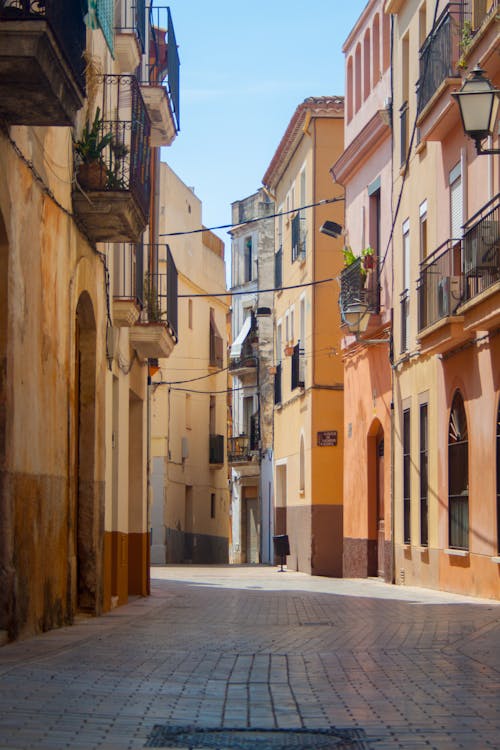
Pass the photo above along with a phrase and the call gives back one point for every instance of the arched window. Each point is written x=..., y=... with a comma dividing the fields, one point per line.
x=458, y=475
x=302, y=467
x=386, y=42
x=376, y=50
x=357, y=78
x=366, y=64
x=349, y=89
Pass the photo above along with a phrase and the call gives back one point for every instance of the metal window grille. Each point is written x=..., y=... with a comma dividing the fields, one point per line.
x=424, y=476
x=458, y=476
x=406, y=477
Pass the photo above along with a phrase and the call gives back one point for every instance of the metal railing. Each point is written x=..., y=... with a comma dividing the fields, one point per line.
x=123, y=128
x=66, y=21
x=439, y=55
x=160, y=298
x=216, y=449
x=440, y=285
x=164, y=64
x=481, y=249
x=356, y=286
x=132, y=19
x=244, y=447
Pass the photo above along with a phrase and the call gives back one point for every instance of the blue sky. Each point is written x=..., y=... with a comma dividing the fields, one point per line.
x=245, y=66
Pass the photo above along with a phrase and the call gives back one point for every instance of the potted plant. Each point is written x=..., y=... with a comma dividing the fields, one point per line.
x=368, y=258
x=114, y=174
x=92, y=172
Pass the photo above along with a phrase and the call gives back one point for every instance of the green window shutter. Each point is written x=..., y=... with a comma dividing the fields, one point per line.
x=105, y=17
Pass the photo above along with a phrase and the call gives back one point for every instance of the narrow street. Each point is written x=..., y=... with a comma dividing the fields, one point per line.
x=311, y=662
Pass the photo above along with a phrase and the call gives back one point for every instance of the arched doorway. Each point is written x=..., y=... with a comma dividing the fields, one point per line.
x=6, y=530
x=87, y=501
x=376, y=501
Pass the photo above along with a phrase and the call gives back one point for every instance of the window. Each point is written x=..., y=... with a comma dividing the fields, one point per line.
x=424, y=476
x=406, y=476
x=376, y=50
x=212, y=416
x=287, y=327
x=422, y=25
x=248, y=260
x=279, y=343
x=357, y=78
x=302, y=323
x=190, y=313
x=405, y=298
x=366, y=64
x=188, y=411
x=292, y=324
x=349, y=95
x=423, y=230
x=456, y=202
x=458, y=475
x=403, y=112
x=212, y=505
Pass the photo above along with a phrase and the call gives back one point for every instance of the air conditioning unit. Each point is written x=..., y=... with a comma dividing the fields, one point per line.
x=489, y=245
x=449, y=295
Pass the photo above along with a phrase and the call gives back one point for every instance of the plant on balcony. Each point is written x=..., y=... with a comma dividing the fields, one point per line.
x=92, y=172
x=151, y=302
x=114, y=173
x=368, y=259
x=466, y=36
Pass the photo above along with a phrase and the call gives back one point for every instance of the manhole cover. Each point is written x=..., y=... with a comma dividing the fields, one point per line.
x=263, y=739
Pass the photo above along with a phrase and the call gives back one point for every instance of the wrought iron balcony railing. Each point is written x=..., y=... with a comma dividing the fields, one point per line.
x=440, y=286
x=356, y=286
x=163, y=64
x=131, y=18
x=481, y=249
x=159, y=295
x=439, y=54
x=216, y=449
x=244, y=447
x=66, y=21
x=121, y=130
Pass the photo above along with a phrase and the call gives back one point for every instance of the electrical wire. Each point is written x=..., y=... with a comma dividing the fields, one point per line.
x=323, y=202
x=262, y=291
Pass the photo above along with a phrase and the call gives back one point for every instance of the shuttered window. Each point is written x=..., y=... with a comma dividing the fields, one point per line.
x=105, y=17
x=456, y=203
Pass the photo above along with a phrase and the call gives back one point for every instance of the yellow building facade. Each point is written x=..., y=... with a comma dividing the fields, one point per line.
x=77, y=151
x=190, y=510
x=308, y=415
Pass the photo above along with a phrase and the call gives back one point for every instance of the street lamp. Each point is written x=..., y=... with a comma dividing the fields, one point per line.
x=478, y=103
x=355, y=316
x=331, y=229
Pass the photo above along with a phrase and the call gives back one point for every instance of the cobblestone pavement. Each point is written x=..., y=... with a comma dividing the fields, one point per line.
x=311, y=662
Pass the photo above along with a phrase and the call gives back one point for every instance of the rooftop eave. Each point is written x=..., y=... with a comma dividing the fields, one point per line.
x=393, y=6
x=367, y=141
x=324, y=106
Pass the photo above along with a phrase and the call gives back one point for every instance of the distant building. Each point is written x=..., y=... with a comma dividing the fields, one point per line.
x=308, y=410
x=250, y=445
x=190, y=509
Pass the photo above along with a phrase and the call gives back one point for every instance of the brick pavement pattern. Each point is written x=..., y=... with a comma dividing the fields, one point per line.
x=246, y=647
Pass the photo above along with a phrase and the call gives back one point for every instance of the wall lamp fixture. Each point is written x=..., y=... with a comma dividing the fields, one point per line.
x=478, y=103
x=331, y=229
x=356, y=316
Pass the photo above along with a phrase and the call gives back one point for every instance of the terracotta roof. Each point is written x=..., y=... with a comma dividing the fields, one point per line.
x=315, y=106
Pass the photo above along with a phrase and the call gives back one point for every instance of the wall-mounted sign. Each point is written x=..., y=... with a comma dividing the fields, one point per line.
x=327, y=437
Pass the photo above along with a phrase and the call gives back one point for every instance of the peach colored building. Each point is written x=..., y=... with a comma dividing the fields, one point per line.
x=446, y=219
x=364, y=169
x=308, y=412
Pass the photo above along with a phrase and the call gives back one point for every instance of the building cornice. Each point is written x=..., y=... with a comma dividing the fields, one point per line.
x=312, y=107
x=368, y=139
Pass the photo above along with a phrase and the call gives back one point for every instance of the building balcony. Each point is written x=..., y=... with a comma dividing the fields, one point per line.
x=243, y=449
x=161, y=89
x=42, y=70
x=361, y=286
x=126, y=304
x=130, y=34
x=155, y=334
x=112, y=189
x=216, y=450
x=440, y=294
x=464, y=32
x=243, y=356
x=481, y=268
